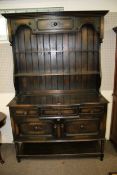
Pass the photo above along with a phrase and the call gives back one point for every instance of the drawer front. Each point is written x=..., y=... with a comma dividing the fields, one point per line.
x=25, y=112
x=56, y=24
x=78, y=127
x=91, y=109
x=41, y=128
x=68, y=111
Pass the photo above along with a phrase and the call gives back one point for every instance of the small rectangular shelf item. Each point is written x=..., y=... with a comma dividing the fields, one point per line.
x=58, y=108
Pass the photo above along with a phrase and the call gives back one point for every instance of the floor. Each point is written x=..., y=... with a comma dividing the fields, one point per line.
x=58, y=166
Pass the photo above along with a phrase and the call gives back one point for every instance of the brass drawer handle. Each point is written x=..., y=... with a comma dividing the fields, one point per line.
x=62, y=125
x=36, y=128
x=82, y=126
x=25, y=113
x=55, y=126
x=59, y=113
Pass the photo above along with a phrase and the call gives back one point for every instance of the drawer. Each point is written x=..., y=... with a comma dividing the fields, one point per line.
x=41, y=128
x=55, y=24
x=25, y=112
x=91, y=109
x=78, y=127
x=67, y=111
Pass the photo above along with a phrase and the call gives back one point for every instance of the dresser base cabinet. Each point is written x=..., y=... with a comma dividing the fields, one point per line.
x=58, y=108
x=66, y=129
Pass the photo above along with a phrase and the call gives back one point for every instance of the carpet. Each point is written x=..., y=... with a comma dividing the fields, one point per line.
x=59, y=165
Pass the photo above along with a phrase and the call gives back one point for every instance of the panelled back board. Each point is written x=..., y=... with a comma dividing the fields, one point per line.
x=57, y=61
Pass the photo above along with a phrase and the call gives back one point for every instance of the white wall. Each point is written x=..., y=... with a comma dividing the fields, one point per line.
x=111, y=5
x=67, y=4
x=6, y=130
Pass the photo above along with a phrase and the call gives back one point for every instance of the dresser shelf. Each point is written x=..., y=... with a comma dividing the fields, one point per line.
x=59, y=149
x=28, y=74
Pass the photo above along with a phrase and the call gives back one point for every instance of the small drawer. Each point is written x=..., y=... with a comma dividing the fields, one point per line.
x=55, y=24
x=91, y=109
x=33, y=112
x=21, y=112
x=26, y=112
x=76, y=127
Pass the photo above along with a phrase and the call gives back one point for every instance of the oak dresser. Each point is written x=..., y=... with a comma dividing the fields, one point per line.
x=58, y=108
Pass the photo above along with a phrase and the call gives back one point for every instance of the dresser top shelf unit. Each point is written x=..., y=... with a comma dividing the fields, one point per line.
x=56, y=51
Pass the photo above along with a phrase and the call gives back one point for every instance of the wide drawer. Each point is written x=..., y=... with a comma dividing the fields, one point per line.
x=55, y=24
x=80, y=126
x=41, y=128
x=58, y=111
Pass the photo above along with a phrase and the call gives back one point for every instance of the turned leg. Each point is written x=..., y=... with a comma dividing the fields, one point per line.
x=102, y=150
x=1, y=159
x=18, y=159
x=17, y=147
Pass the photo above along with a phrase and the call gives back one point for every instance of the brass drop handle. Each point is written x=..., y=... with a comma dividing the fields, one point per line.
x=94, y=110
x=55, y=126
x=59, y=113
x=36, y=128
x=62, y=125
x=82, y=126
x=25, y=113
